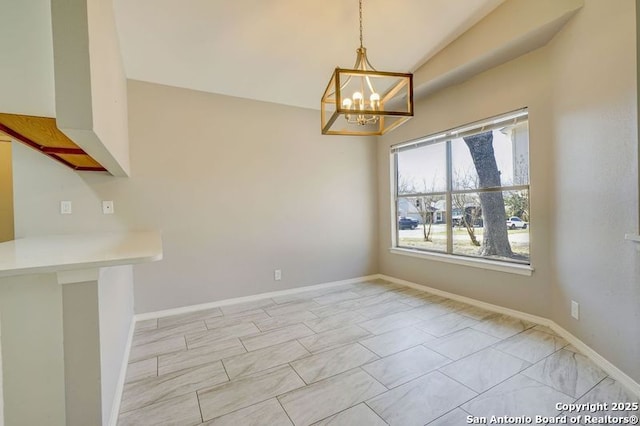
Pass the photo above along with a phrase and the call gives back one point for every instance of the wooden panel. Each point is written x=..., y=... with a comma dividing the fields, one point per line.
x=41, y=130
x=81, y=161
x=41, y=133
x=6, y=191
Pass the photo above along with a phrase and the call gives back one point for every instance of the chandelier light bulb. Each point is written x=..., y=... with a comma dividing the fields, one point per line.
x=380, y=100
x=374, y=99
x=357, y=99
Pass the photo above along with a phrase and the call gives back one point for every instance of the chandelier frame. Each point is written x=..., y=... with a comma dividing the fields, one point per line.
x=381, y=114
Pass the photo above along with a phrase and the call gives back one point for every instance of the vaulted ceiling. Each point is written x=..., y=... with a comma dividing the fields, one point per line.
x=281, y=51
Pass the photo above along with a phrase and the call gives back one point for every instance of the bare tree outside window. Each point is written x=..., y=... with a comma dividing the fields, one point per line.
x=496, y=239
x=466, y=204
x=426, y=206
x=468, y=190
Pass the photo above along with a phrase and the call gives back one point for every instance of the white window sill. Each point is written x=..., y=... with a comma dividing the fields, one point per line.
x=466, y=261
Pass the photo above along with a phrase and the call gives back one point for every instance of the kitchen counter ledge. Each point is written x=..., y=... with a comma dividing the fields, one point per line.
x=34, y=255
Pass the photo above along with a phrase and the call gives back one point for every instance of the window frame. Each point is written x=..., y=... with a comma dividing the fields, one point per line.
x=446, y=137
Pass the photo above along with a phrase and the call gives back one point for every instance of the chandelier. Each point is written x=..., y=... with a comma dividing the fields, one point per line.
x=363, y=101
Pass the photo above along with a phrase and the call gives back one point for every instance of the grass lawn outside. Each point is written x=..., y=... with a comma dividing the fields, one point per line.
x=414, y=238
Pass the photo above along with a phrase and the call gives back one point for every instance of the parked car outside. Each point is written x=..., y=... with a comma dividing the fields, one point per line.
x=407, y=223
x=515, y=222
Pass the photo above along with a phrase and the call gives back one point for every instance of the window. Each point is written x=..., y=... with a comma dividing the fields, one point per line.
x=465, y=191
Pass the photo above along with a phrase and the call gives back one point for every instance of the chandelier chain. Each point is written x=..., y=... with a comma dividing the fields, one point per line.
x=360, y=10
x=351, y=93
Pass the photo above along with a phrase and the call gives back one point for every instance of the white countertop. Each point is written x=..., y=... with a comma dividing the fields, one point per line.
x=34, y=255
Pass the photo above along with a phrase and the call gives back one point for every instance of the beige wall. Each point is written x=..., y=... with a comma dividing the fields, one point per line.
x=32, y=353
x=26, y=73
x=108, y=82
x=520, y=83
x=6, y=191
x=596, y=198
x=115, y=299
x=90, y=85
x=63, y=347
x=238, y=188
x=581, y=94
x=81, y=338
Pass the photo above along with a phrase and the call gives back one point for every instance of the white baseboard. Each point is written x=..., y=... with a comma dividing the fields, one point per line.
x=117, y=398
x=488, y=306
x=245, y=299
x=598, y=359
x=594, y=356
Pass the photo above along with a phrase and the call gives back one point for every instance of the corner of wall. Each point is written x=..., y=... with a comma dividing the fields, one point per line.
x=593, y=264
x=90, y=84
x=115, y=287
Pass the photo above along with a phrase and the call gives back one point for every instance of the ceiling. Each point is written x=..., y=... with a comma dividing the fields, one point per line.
x=281, y=51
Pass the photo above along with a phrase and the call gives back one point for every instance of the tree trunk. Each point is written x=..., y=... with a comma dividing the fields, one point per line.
x=496, y=238
x=427, y=232
x=471, y=231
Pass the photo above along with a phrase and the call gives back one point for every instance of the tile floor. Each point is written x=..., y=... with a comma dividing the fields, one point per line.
x=369, y=353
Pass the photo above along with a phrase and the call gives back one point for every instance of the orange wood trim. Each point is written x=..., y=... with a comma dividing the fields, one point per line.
x=51, y=151
x=62, y=160
x=90, y=169
x=47, y=149
x=21, y=138
x=56, y=150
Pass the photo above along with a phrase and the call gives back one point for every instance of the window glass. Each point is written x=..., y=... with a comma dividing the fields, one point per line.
x=473, y=202
x=422, y=170
x=505, y=149
x=422, y=222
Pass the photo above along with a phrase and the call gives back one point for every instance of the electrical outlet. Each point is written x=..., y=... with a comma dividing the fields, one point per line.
x=107, y=207
x=66, y=207
x=277, y=274
x=575, y=309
